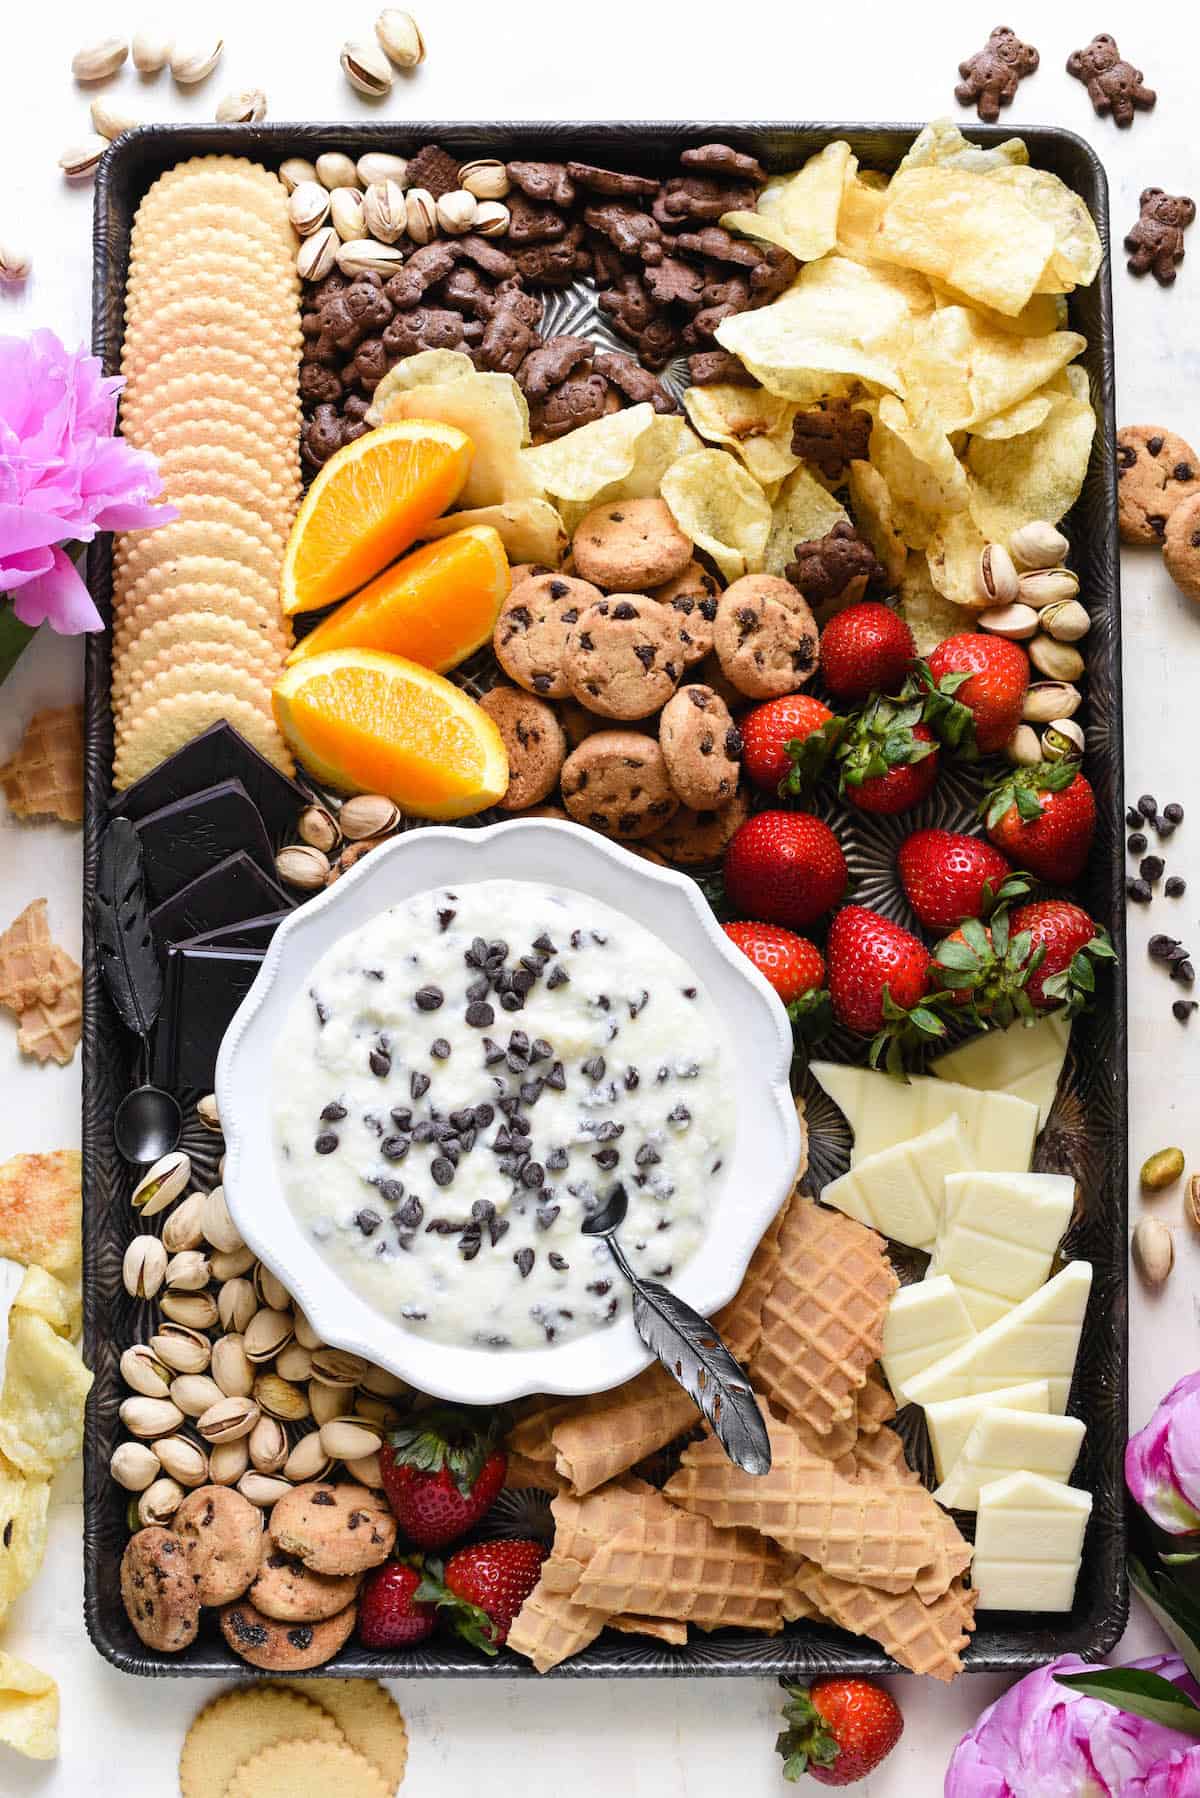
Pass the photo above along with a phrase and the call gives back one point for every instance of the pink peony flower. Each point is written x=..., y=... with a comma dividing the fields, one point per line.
x=1042, y=1740
x=63, y=477
x=1162, y=1462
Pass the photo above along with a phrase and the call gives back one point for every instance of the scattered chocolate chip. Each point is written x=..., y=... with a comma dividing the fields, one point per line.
x=594, y=1067
x=524, y=1259
x=418, y=1085
x=1184, y=972
x=1139, y=891
x=439, y=1048
x=1176, y=887
x=1138, y=843
x=429, y=998
x=1183, y=1009
x=368, y=1221
x=1133, y=818
x=326, y=1143
x=380, y=1063
x=1151, y=868
x=1148, y=805
x=557, y=1262
x=1173, y=813
x=547, y=1216
x=333, y=1112
x=445, y=918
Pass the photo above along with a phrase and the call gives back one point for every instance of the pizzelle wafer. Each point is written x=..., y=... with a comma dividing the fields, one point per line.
x=44, y=777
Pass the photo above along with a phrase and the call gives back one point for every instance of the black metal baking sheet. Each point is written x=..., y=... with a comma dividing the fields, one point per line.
x=1086, y=1134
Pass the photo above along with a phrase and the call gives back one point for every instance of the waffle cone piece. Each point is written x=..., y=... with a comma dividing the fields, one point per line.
x=51, y=1032
x=659, y=1629
x=521, y=1474
x=925, y=1638
x=27, y=973
x=876, y=1406
x=553, y=1624
x=530, y=1436
x=822, y=1321
x=606, y=1435
x=44, y=779
x=879, y=1461
x=740, y=1321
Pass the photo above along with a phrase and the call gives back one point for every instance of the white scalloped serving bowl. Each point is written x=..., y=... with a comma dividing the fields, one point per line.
x=759, y=1171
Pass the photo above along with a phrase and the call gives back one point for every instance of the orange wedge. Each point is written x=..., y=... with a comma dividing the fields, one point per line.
x=367, y=722
x=436, y=606
x=369, y=502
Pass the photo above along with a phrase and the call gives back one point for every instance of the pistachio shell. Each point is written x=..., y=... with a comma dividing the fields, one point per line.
x=1023, y=748
x=384, y=211
x=1062, y=739
x=228, y=1461
x=1066, y=620
x=271, y=1289
x=265, y=1334
x=367, y=69
x=79, y=160
x=996, y=583
x=182, y=1230
x=228, y=1420
x=456, y=212
x=383, y=1384
x=1046, y=700
x=306, y=1336
x=231, y=1264
x=150, y=1417
x=1153, y=1250
x=181, y=1349
x=294, y=1363
x=337, y=1367
x=400, y=35
x=246, y=108
x=189, y=1271
x=196, y=1309
x=100, y=59
x=232, y=1368
x=367, y=1471
x=143, y=1372
x=108, y=121
x=326, y=1402
x=379, y=165
x=308, y=206
x=263, y=1490
x=236, y=1304
x=364, y=256
x=300, y=864
x=295, y=169
x=315, y=259
x=368, y=815
x=1038, y=545
x=195, y=1393
x=334, y=169
x=280, y=1398
x=195, y=62
x=151, y=52
x=308, y=1460
x=1015, y=621
x=492, y=219
x=15, y=263
x=1057, y=661
x=269, y=1447
x=421, y=215
x=1043, y=585
x=345, y=1440
x=219, y=1228
x=183, y=1459
x=317, y=828
x=485, y=179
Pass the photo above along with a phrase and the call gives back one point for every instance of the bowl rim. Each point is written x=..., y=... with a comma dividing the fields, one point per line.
x=768, y=1144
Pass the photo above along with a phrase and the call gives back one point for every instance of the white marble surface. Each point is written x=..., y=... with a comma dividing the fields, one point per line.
x=624, y=58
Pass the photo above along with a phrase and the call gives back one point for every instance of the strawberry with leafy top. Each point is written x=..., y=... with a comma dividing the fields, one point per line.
x=793, y=966
x=389, y=1613
x=1044, y=819
x=888, y=759
x=785, y=867
x=441, y=1473
x=877, y=980
x=1037, y=957
x=482, y=1588
x=839, y=1730
x=788, y=739
x=948, y=876
x=1067, y=944
x=974, y=690
x=865, y=649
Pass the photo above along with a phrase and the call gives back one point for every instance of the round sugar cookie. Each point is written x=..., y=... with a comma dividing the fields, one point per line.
x=201, y=388
x=219, y=509
x=167, y=726
x=308, y=1770
x=369, y=1718
x=241, y=1724
x=203, y=635
x=280, y=433
x=280, y=463
x=156, y=232
x=274, y=378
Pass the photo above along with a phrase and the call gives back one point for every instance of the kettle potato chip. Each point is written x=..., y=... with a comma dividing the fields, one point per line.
x=930, y=617
x=28, y=1709
x=40, y=1211
x=1037, y=475
x=1077, y=250
x=968, y=372
x=24, y=1505
x=803, y=509
x=863, y=201
x=941, y=144
x=966, y=229
x=925, y=479
x=722, y=508
x=756, y=426
x=46, y=1297
x=621, y=456
x=876, y=521
x=1024, y=415
x=953, y=555
x=41, y=1408
x=530, y=529
x=800, y=212
x=490, y=408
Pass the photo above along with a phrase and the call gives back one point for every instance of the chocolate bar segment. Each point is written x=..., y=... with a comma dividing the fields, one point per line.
x=188, y=836
x=219, y=753
x=229, y=893
x=204, y=988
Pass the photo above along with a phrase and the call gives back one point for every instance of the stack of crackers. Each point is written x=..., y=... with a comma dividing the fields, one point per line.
x=211, y=360
x=42, y=986
x=841, y=1528
x=304, y=1739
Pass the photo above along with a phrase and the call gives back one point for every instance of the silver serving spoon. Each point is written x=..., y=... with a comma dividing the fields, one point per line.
x=690, y=1349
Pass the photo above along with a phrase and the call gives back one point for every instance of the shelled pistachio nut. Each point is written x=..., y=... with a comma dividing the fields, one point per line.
x=335, y=169
x=346, y=214
x=1038, y=545
x=162, y=1184
x=1065, y=620
x=280, y=1398
x=1153, y=1250
x=143, y=1372
x=198, y=1310
x=231, y=1367
x=144, y=1267
x=151, y=51
x=108, y=121
x=134, y=1465
x=220, y=1231
x=180, y=1349
x=367, y=815
x=193, y=63
x=249, y=107
x=228, y=1420
x=1042, y=586
x=1161, y=1170
x=149, y=1418
x=307, y=1461
x=231, y=1264
x=228, y=1461
x=380, y=165
x=1062, y=740
x=492, y=219
x=484, y=179
x=195, y=1393
x=183, y=1459
x=1057, y=661
x=1017, y=622
x=400, y=35
x=263, y=1489
x=1046, y=700
x=384, y=215
x=996, y=579
x=268, y=1444
x=367, y=69
x=236, y=1304
x=182, y=1229
x=100, y=59
x=79, y=160
x=159, y=1502
x=1023, y=748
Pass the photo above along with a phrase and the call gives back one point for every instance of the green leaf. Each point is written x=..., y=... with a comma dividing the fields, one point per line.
x=927, y=1021
x=1173, y=1609
x=14, y=638
x=999, y=929
x=1081, y=972
x=1029, y=806
x=1140, y=1693
x=975, y=934
x=950, y=954
x=1179, y=1560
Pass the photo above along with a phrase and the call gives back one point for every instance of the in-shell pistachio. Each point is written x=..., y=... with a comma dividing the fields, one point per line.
x=367, y=68
x=108, y=121
x=379, y=1413
x=368, y=815
x=195, y=1393
x=229, y=1420
x=144, y=1267
x=143, y=1372
x=1046, y=700
x=294, y=1362
x=246, y=108
x=337, y=1367
x=181, y=1349
x=379, y=165
x=1057, y=661
x=383, y=1384
x=265, y=1334
x=231, y=1264
x=280, y=1398
x=346, y=213
x=1017, y=622
x=343, y=1439
x=308, y=1460
x=183, y=1459
x=162, y=1184
x=268, y=1445
x=317, y=828
x=1192, y=1199
x=150, y=1417
x=308, y=206
x=206, y=1111
x=232, y=1368
x=1038, y=545
x=456, y=212
x=263, y=1489
x=151, y=51
x=334, y=169
x=1042, y=586
x=100, y=59
x=1065, y=620
x=1062, y=740
x=295, y=169
x=189, y=1271
x=366, y=1470
x=192, y=63
x=219, y=1228
x=271, y=1290
x=492, y=218
x=384, y=215
x=182, y=1229
x=159, y=1502
x=228, y=1461
x=198, y=1310
x=1023, y=748
x=484, y=179
x=236, y=1304
x=996, y=582
x=327, y=1402
x=134, y=1465
x=306, y=1336
x=15, y=263
x=79, y=160
x=1161, y=1170
x=400, y=35
x=421, y=210
x=363, y=256
x=1153, y=1250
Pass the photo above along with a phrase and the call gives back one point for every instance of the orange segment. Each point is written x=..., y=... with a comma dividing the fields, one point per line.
x=367, y=722
x=369, y=502
x=436, y=606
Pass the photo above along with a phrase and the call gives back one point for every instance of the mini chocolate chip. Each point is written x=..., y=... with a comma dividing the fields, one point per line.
x=1159, y=947
x=556, y=1079
x=600, y=1287
x=445, y=918
x=606, y=1158
x=544, y=944
x=557, y=1262
x=418, y=1085
x=411, y=1213
x=1183, y=971
x=689, y=992
x=326, y=1143
x=1151, y=868
x=380, y=1063
x=531, y=1091
x=470, y=1243
x=524, y=1259
x=1176, y=887
x=594, y=1067
x=632, y=1080
x=547, y=1216
x=520, y=1126
x=540, y=1049
x=333, y=1112
x=1133, y=817
x=401, y=1116
x=1147, y=805
x=368, y=1221
x=1183, y=1009
x=533, y=1174
x=429, y=998
x=1138, y=843
x=557, y=1159
x=647, y=1156
x=680, y=1115
x=442, y=1169
x=1173, y=813
x=492, y=1052
x=394, y=1148
x=439, y=1048
x=1139, y=891
x=511, y=1002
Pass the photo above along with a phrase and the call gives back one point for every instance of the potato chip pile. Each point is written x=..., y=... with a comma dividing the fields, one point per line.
x=43, y=1389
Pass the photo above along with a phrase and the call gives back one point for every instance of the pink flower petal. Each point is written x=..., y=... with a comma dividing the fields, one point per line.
x=59, y=599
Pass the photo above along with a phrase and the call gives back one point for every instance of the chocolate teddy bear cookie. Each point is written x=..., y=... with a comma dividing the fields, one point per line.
x=990, y=77
x=1113, y=85
x=1157, y=239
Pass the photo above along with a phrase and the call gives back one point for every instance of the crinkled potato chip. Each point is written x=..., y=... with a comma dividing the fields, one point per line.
x=924, y=477
x=873, y=514
x=40, y=1211
x=941, y=144
x=426, y=368
x=929, y=616
x=1025, y=415
x=722, y=509
x=803, y=509
x=24, y=1507
x=863, y=200
x=968, y=230
x=621, y=456
x=953, y=557
x=839, y=318
x=1044, y=313
x=1037, y=475
x=45, y=1389
x=46, y=1297
x=491, y=409
x=530, y=529
x=1077, y=252
x=967, y=372
x=755, y=424
x=800, y=212
x=28, y=1709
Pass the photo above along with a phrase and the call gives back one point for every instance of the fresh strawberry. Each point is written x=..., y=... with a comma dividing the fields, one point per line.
x=948, y=877
x=787, y=737
x=441, y=1474
x=973, y=968
x=1044, y=818
x=795, y=968
x=483, y=1587
x=888, y=760
x=877, y=979
x=839, y=1730
x=389, y=1615
x=786, y=867
x=975, y=689
x=867, y=648
x=1066, y=943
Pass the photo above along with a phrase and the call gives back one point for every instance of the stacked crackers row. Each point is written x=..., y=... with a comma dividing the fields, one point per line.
x=841, y=1527
x=211, y=361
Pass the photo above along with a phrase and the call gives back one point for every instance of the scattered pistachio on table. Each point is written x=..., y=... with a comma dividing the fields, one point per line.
x=400, y=36
x=249, y=107
x=79, y=160
x=100, y=59
x=193, y=63
x=15, y=263
x=1153, y=1250
x=367, y=68
x=1161, y=1170
x=151, y=51
x=109, y=121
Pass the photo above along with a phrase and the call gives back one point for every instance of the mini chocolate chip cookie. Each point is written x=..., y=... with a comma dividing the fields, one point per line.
x=531, y=631
x=624, y=656
x=159, y=1591
x=535, y=743
x=578, y=722
x=631, y=545
x=1181, y=550
x=1155, y=471
x=617, y=782
x=284, y=1647
x=222, y=1536
x=702, y=747
x=765, y=636
x=694, y=839
x=692, y=596
x=289, y=1592
x=334, y=1529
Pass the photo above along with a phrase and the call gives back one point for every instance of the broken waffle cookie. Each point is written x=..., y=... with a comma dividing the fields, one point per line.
x=43, y=986
x=44, y=777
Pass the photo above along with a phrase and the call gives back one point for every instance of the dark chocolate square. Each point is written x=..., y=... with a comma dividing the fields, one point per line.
x=187, y=837
x=229, y=893
x=204, y=988
x=219, y=753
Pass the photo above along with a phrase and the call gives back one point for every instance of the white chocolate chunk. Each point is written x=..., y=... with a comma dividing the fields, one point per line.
x=998, y=1237
x=925, y=1322
x=1026, y=1061
x=1029, y=1543
x=1037, y=1340
x=951, y=1420
x=1004, y=1442
x=899, y=1191
x=882, y=1112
